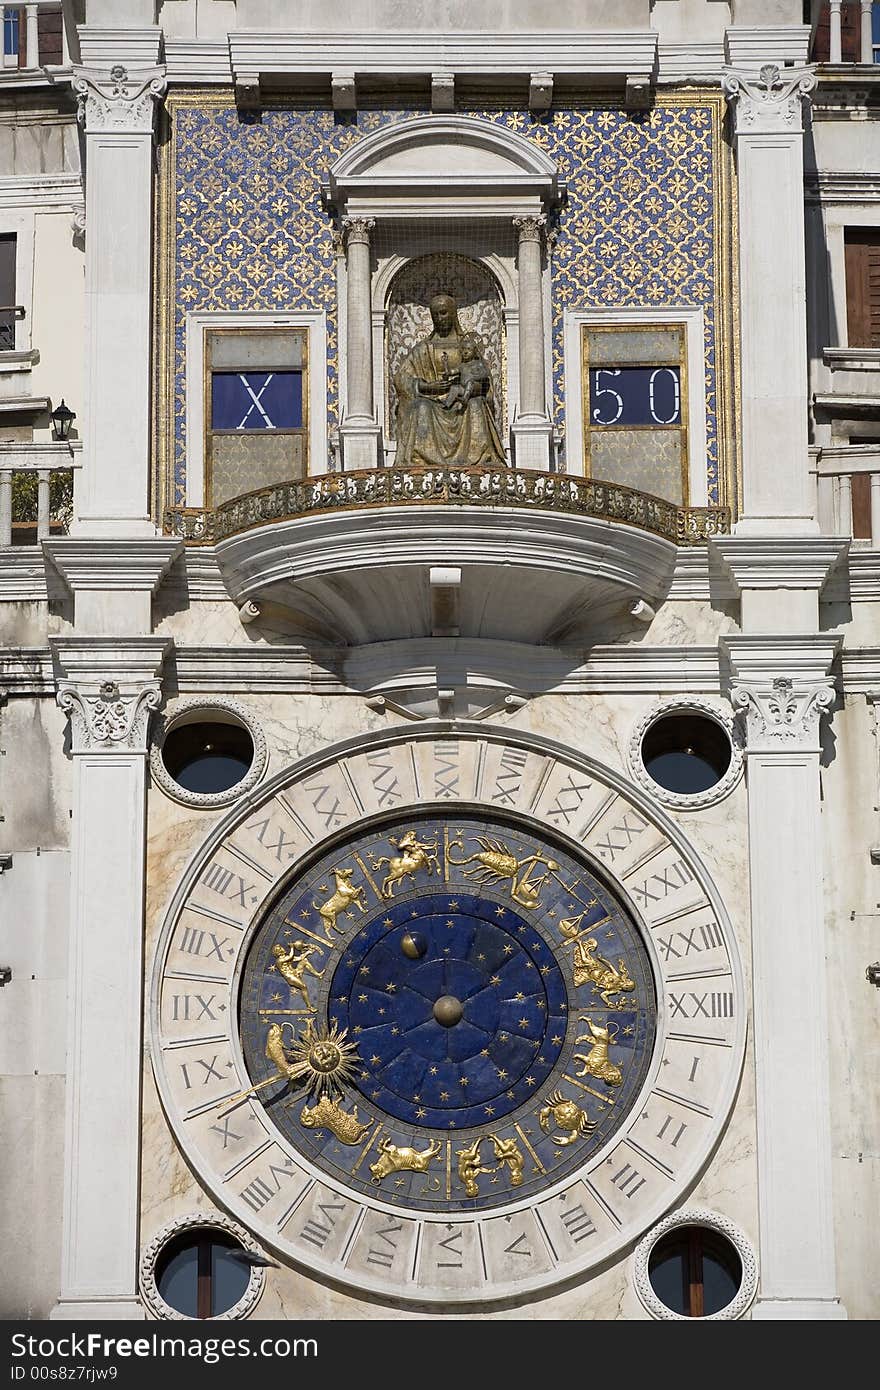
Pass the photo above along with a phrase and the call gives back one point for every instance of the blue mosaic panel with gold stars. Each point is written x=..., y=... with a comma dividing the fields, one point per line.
x=640, y=227
x=448, y=1014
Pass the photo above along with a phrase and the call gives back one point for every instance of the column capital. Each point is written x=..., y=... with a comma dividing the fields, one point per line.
x=531, y=227
x=356, y=230
x=782, y=686
x=770, y=99
x=109, y=687
x=118, y=100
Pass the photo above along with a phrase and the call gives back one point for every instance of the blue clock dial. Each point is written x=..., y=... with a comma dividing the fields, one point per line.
x=448, y=1014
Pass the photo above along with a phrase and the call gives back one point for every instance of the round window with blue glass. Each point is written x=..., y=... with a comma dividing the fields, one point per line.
x=448, y=1014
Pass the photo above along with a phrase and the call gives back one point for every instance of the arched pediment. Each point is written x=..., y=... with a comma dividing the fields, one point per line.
x=411, y=166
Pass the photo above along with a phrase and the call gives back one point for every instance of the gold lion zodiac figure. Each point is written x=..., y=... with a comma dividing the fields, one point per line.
x=414, y=855
x=394, y=1160
x=494, y=863
x=595, y=1062
x=328, y=1114
x=568, y=1117
x=292, y=965
x=347, y=895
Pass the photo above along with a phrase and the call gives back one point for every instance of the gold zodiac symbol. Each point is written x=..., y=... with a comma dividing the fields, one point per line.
x=470, y=1168
x=566, y=1115
x=495, y=863
x=292, y=965
x=592, y=969
x=328, y=1114
x=394, y=1160
x=413, y=857
x=345, y=897
x=595, y=1062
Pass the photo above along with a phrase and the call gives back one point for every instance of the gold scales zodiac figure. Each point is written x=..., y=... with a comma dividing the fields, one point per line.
x=494, y=863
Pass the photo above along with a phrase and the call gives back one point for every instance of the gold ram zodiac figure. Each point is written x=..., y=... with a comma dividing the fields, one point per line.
x=414, y=855
x=494, y=863
x=595, y=1062
x=345, y=897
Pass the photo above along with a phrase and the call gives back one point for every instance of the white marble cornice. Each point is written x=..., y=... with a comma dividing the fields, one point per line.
x=97, y=563
x=109, y=686
x=779, y=562
x=752, y=45
x=101, y=46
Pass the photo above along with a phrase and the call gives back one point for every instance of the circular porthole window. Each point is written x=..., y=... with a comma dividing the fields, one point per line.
x=207, y=753
x=198, y=1268
x=687, y=753
x=695, y=1265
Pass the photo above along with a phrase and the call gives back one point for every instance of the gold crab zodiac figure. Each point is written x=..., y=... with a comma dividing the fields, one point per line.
x=568, y=1116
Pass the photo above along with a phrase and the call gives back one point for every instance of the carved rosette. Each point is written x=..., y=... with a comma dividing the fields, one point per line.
x=118, y=100
x=782, y=714
x=356, y=230
x=109, y=719
x=530, y=228
x=771, y=100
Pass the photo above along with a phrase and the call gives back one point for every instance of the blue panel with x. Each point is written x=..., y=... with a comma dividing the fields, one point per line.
x=256, y=400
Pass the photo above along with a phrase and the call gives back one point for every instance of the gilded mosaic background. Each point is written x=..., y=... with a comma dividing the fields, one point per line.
x=242, y=227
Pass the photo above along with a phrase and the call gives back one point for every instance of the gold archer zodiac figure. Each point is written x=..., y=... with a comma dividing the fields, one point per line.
x=414, y=855
x=590, y=968
x=494, y=863
x=346, y=896
x=596, y=1062
x=292, y=965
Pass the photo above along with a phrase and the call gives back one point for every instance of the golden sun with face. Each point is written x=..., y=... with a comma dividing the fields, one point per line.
x=324, y=1059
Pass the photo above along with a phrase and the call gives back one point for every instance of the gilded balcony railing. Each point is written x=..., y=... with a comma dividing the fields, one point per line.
x=469, y=487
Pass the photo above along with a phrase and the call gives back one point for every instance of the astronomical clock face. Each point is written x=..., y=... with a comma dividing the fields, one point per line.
x=447, y=1019
x=448, y=1012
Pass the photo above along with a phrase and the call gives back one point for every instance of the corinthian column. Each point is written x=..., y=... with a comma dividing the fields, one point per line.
x=359, y=432
x=108, y=687
x=782, y=687
x=116, y=109
x=532, y=428
x=767, y=109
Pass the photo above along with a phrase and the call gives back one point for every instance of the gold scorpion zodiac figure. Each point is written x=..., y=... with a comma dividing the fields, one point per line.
x=495, y=863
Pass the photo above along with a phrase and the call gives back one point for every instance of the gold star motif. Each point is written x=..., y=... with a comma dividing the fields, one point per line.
x=502, y=1075
x=362, y=999
x=357, y=1029
x=322, y=888
x=450, y=924
x=420, y=1113
x=484, y=1052
x=530, y=1081
x=453, y=906
x=481, y=956
x=519, y=996
x=545, y=969
x=556, y=1040
x=374, y=1060
x=495, y=980
x=524, y=1023
x=444, y=1095
x=364, y=970
x=381, y=1011
x=628, y=1031
x=465, y=1081
x=394, y=1031
x=541, y=1005
x=499, y=912
x=508, y=950
x=489, y=1109
x=433, y=1071
x=276, y=998
x=510, y=1095
x=398, y=1182
x=391, y=988
x=388, y=922
x=375, y=1094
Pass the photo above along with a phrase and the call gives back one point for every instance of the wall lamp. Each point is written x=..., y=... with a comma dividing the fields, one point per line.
x=62, y=417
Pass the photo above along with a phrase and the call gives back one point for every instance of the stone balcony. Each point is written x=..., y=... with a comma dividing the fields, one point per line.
x=490, y=553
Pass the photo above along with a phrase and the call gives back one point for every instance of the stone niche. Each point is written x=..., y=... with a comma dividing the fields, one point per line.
x=451, y=205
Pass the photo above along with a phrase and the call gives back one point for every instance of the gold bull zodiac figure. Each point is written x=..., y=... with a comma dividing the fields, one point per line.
x=494, y=863
x=347, y=895
x=414, y=855
x=293, y=964
x=567, y=1116
x=394, y=1160
x=596, y=1062
x=328, y=1114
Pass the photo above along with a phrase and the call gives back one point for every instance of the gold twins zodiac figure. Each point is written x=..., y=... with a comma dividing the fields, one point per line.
x=470, y=1168
x=292, y=965
x=414, y=855
x=328, y=1114
x=567, y=1116
x=394, y=1160
x=595, y=1062
x=347, y=895
x=494, y=863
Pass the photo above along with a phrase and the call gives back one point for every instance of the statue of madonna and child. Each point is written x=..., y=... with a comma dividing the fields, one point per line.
x=444, y=395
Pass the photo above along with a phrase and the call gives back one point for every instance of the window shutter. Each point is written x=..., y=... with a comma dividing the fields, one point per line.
x=862, y=252
x=49, y=34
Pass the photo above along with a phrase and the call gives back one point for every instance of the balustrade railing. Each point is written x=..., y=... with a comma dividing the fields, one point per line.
x=36, y=491
x=471, y=487
x=848, y=492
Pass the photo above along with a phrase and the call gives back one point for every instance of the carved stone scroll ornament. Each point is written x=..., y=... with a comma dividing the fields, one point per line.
x=783, y=715
x=770, y=100
x=530, y=228
x=118, y=100
x=109, y=720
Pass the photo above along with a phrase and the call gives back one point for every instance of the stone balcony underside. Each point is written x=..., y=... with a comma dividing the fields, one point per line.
x=486, y=553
